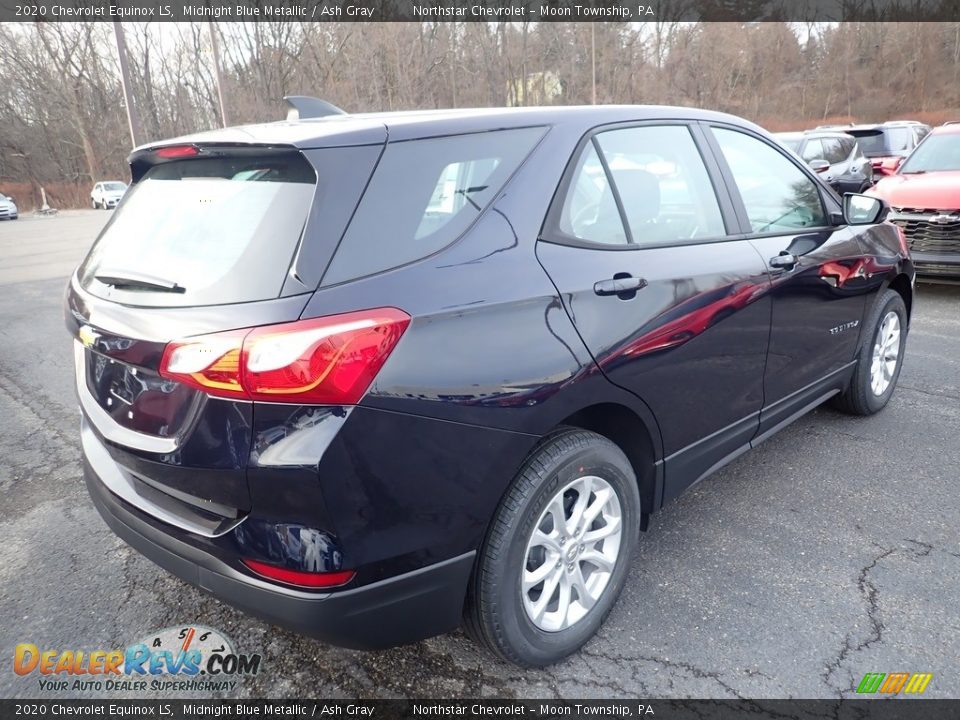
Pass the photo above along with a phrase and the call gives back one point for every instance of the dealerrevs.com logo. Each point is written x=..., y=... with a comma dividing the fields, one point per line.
x=191, y=658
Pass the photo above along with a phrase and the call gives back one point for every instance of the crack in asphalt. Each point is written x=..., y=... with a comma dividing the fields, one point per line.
x=931, y=393
x=928, y=548
x=692, y=670
x=870, y=592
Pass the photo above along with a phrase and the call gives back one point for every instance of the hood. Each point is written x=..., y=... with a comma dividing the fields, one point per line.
x=934, y=190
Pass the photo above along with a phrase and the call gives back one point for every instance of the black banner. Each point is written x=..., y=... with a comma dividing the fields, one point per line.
x=893, y=709
x=478, y=10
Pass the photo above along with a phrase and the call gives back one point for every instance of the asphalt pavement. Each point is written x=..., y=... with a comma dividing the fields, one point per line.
x=830, y=551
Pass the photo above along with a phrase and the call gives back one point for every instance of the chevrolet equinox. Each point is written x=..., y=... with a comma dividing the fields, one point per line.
x=370, y=377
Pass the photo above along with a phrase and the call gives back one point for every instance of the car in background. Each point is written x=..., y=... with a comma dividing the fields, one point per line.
x=834, y=155
x=887, y=144
x=107, y=194
x=8, y=208
x=924, y=195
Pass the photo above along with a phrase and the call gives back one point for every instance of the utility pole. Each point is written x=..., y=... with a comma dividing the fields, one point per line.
x=215, y=46
x=133, y=117
x=593, y=63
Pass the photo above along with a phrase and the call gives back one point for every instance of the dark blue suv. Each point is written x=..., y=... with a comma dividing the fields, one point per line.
x=373, y=376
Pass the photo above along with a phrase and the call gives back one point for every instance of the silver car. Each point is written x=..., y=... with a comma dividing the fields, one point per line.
x=8, y=208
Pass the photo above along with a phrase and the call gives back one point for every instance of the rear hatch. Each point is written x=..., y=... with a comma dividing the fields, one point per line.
x=208, y=239
x=880, y=142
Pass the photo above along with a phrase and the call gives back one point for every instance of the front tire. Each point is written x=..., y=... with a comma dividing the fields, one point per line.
x=879, y=360
x=558, y=551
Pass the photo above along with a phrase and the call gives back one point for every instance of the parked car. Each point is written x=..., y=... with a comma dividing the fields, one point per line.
x=372, y=377
x=921, y=130
x=107, y=194
x=8, y=208
x=836, y=156
x=887, y=144
x=925, y=197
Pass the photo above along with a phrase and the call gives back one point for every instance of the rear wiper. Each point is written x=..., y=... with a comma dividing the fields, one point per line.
x=137, y=281
x=465, y=191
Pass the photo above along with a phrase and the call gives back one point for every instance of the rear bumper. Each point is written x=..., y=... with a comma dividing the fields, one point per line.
x=394, y=611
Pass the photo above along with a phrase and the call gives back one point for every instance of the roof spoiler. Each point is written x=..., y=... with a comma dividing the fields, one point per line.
x=303, y=107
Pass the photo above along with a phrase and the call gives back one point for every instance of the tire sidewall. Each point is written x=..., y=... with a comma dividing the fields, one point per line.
x=538, y=647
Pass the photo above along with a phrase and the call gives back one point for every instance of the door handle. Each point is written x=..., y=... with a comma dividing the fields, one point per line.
x=622, y=285
x=783, y=261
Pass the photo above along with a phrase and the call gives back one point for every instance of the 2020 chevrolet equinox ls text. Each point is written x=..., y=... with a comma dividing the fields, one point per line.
x=370, y=377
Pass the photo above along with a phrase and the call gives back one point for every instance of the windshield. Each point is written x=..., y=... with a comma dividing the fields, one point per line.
x=204, y=232
x=938, y=153
x=114, y=187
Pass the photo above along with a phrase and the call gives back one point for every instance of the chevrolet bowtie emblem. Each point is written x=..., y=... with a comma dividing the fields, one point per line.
x=944, y=219
x=88, y=336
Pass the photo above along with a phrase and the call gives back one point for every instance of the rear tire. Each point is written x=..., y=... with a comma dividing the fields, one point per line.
x=879, y=360
x=581, y=561
x=96, y=205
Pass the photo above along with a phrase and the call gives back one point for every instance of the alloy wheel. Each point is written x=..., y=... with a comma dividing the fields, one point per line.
x=571, y=553
x=886, y=353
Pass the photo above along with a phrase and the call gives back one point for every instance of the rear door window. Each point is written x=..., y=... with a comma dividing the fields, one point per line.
x=590, y=212
x=204, y=232
x=663, y=183
x=834, y=151
x=423, y=195
x=660, y=181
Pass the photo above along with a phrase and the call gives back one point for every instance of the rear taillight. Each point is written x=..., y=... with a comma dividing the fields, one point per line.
x=299, y=577
x=330, y=360
x=177, y=151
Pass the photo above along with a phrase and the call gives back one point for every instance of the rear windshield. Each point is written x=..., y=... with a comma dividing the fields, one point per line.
x=424, y=195
x=880, y=142
x=872, y=142
x=204, y=232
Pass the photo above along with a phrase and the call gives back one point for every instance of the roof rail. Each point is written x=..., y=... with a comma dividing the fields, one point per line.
x=303, y=107
x=952, y=122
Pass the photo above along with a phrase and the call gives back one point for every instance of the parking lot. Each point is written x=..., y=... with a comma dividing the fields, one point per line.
x=829, y=552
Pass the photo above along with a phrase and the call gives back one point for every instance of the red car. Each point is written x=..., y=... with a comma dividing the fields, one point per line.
x=924, y=198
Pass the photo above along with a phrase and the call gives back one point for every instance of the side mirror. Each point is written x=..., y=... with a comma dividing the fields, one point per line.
x=819, y=165
x=863, y=209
